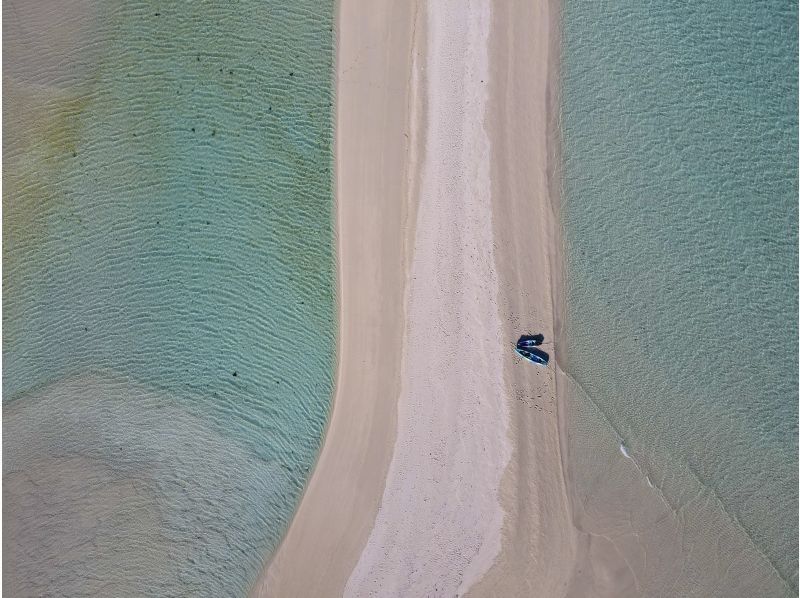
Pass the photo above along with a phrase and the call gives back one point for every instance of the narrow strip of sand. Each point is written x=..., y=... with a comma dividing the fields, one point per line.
x=454, y=518
x=441, y=470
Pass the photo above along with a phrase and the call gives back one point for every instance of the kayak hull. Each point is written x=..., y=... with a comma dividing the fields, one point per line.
x=530, y=340
x=533, y=355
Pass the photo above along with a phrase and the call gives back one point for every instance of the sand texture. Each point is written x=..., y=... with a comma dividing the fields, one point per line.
x=439, y=525
x=448, y=459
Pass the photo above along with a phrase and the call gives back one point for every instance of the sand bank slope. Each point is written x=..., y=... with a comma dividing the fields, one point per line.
x=335, y=515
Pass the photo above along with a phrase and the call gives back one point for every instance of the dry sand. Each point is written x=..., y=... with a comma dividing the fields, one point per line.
x=440, y=521
x=441, y=470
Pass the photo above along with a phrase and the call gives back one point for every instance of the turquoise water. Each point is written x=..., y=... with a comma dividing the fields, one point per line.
x=168, y=294
x=680, y=218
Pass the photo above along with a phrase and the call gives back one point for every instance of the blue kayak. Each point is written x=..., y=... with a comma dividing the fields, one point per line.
x=534, y=355
x=530, y=340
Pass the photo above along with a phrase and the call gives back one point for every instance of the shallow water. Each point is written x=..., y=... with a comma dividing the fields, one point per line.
x=169, y=304
x=680, y=223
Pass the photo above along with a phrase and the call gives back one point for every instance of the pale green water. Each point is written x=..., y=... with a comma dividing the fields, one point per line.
x=168, y=295
x=680, y=218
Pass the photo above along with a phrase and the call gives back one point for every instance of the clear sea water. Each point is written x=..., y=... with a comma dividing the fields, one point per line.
x=168, y=294
x=680, y=217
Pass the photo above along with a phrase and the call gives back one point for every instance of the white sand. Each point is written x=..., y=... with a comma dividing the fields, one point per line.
x=439, y=526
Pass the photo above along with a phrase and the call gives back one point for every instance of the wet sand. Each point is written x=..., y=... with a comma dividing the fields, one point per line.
x=374, y=224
